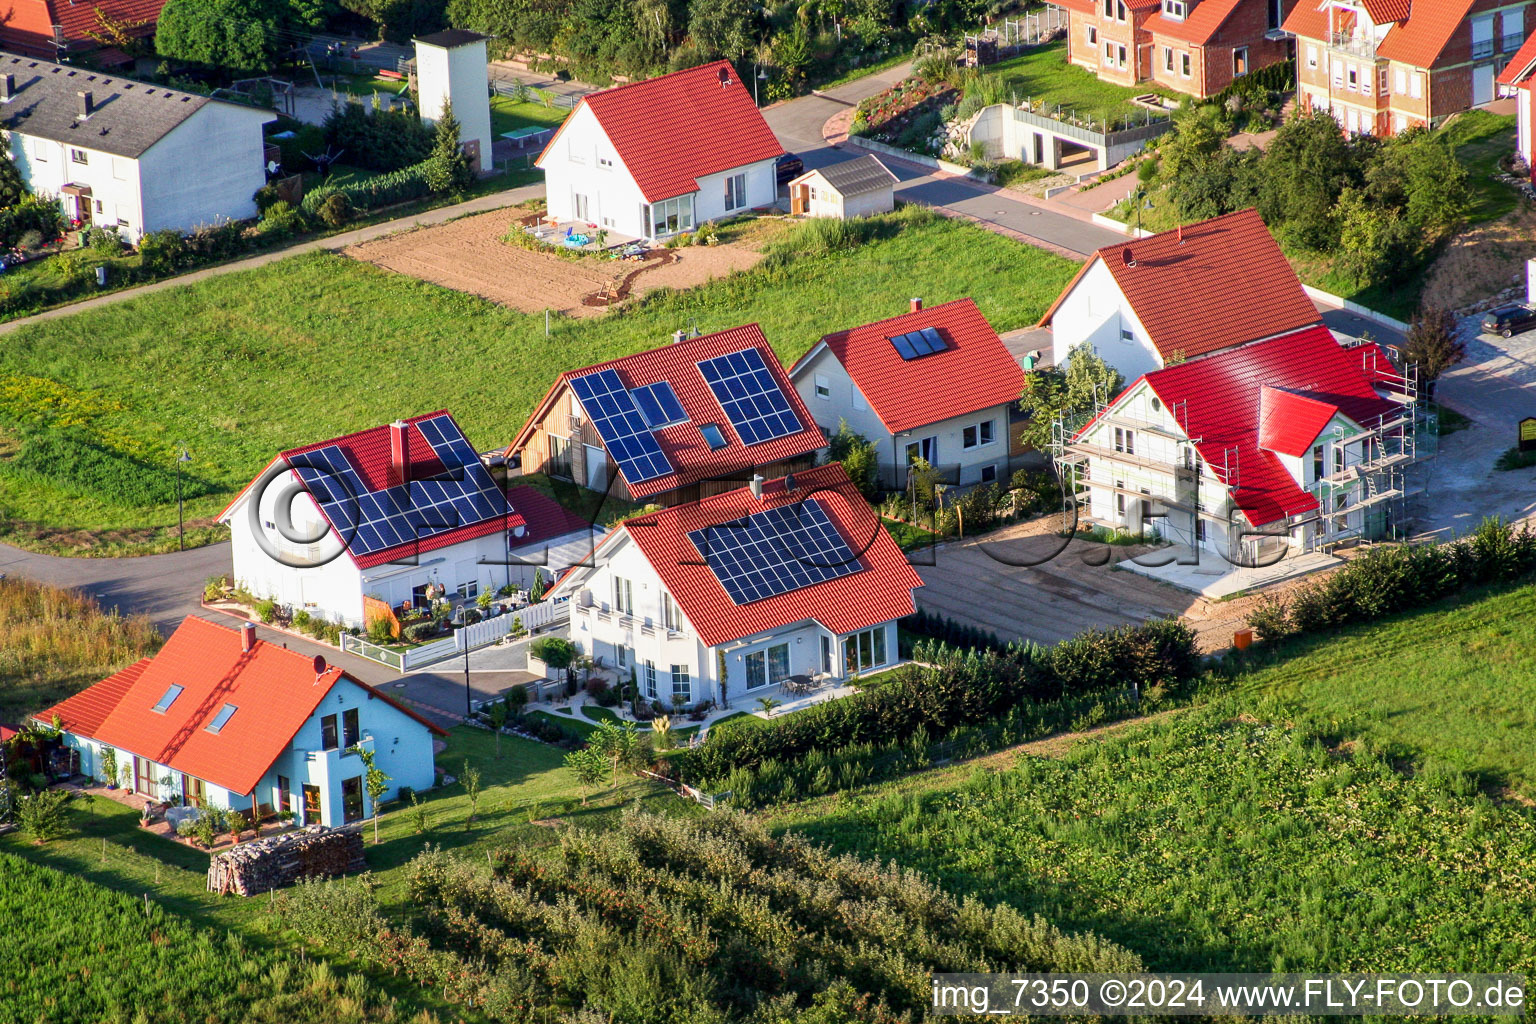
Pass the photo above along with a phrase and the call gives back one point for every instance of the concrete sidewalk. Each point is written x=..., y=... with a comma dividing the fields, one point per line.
x=330, y=243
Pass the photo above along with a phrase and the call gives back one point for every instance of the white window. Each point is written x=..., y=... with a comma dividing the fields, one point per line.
x=823, y=387
x=1482, y=37
x=1120, y=11
x=1120, y=54
x=650, y=678
x=1365, y=81
x=580, y=202
x=623, y=595
x=605, y=163
x=735, y=192
x=1184, y=68
x=1127, y=335
x=1338, y=74
x=1125, y=441
x=1109, y=8
x=669, y=216
x=1402, y=82
x=1239, y=61
x=1381, y=83
x=865, y=650
x=682, y=684
x=1167, y=58
x=1093, y=35
x=1513, y=25
x=1175, y=9
x=988, y=474
x=977, y=435
x=79, y=156
x=120, y=168
x=1312, y=57
x=574, y=153
x=670, y=616
x=1119, y=498
x=470, y=590
x=1415, y=85
x=40, y=151
x=926, y=449
x=1352, y=79
x=858, y=398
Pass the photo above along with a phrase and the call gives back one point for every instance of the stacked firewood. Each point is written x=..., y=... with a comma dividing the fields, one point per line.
x=276, y=861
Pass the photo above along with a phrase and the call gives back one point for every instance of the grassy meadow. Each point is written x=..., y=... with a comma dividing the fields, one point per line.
x=55, y=642
x=241, y=366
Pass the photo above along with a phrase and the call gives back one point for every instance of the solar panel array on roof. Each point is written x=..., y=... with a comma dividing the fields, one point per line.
x=923, y=342
x=659, y=405
x=751, y=398
x=370, y=521
x=775, y=551
x=623, y=428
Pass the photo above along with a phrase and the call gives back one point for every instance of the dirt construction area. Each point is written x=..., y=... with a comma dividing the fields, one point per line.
x=468, y=255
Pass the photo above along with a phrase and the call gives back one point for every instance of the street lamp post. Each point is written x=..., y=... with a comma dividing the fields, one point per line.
x=759, y=74
x=181, y=537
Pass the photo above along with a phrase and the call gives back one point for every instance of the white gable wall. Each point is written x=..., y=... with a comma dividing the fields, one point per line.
x=206, y=169
x=573, y=166
x=331, y=589
x=1095, y=311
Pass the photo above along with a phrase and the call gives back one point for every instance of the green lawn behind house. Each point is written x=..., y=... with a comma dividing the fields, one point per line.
x=1044, y=75
x=243, y=365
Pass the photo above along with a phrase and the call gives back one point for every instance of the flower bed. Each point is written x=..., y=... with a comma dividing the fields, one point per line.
x=906, y=115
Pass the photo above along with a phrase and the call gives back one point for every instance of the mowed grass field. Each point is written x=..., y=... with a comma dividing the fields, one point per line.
x=1315, y=818
x=239, y=367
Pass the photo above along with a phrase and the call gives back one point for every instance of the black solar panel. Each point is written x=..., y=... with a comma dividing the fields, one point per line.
x=775, y=551
x=917, y=343
x=751, y=398
x=624, y=431
x=369, y=521
x=659, y=405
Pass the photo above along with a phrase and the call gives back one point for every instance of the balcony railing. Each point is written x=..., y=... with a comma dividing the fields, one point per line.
x=1482, y=48
x=1360, y=46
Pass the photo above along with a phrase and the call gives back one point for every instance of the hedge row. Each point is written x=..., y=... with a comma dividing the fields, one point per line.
x=955, y=689
x=947, y=630
x=1279, y=77
x=1394, y=579
x=380, y=190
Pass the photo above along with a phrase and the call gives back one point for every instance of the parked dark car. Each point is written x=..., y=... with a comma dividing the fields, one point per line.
x=1508, y=320
x=788, y=168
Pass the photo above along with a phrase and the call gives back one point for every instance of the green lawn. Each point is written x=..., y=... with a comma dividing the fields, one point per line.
x=1482, y=139
x=1044, y=75
x=243, y=365
x=507, y=114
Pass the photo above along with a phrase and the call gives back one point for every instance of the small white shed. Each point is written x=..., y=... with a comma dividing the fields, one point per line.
x=854, y=188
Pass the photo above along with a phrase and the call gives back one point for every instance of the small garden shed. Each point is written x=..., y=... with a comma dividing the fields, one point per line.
x=854, y=188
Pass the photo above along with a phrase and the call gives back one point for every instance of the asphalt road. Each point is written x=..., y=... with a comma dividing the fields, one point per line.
x=798, y=125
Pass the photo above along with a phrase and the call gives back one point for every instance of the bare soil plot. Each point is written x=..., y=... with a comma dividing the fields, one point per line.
x=468, y=255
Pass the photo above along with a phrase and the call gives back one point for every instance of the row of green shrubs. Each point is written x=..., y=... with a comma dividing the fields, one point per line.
x=1386, y=580
x=946, y=631
x=957, y=688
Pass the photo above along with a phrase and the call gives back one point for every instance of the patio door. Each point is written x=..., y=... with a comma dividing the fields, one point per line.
x=311, y=805
x=1482, y=82
x=192, y=790
x=581, y=206
x=352, y=799
x=144, y=779
x=597, y=469
x=768, y=667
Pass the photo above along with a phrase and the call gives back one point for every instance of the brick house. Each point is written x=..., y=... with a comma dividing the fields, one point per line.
x=1191, y=46
x=1383, y=66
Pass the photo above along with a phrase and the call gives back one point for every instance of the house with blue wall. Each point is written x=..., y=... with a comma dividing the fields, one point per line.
x=219, y=718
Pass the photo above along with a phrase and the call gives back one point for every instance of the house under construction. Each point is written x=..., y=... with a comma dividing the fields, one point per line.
x=1282, y=447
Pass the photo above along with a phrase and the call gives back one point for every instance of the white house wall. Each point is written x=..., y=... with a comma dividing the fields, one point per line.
x=114, y=180
x=572, y=167
x=762, y=190
x=870, y=203
x=1095, y=311
x=206, y=169
x=329, y=586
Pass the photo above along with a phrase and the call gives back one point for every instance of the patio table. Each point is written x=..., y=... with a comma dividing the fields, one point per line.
x=798, y=684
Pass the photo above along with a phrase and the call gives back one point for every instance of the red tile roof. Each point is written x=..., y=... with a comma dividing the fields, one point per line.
x=543, y=517
x=672, y=130
x=1518, y=70
x=1202, y=23
x=1222, y=404
x=975, y=372
x=274, y=689
x=881, y=591
x=691, y=458
x=1221, y=283
x=368, y=452
x=1420, y=32
x=29, y=25
x=83, y=713
x=1290, y=421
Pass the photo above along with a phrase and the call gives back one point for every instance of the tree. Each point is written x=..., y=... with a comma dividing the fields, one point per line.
x=41, y=815
x=1088, y=381
x=1306, y=167
x=536, y=592
x=590, y=767
x=237, y=35
x=470, y=777
x=12, y=188
x=498, y=713
x=1373, y=242
x=1433, y=343
x=555, y=651
x=620, y=745
x=375, y=782
x=858, y=456
x=722, y=28
x=447, y=168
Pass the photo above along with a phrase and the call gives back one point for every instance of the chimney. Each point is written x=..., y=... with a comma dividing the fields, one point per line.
x=917, y=305
x=7, y=87
x=399, y=453
x=1128, y=256
x=247, y=636
x=679, y=335
x=756, y=485
x=87, y=104
x=1181, y=234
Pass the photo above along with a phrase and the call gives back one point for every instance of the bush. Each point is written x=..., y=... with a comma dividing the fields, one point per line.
x=420, y=631
x=266, y=609
x=163, y=252
x=38, y=216
x=103, y=241
x=380, y=140
x=265, y=198
x=41, y=815
x=280, y=221
x=336, y=210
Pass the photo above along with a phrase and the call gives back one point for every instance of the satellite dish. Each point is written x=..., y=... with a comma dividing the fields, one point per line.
x=320, y=665
x=273, y=166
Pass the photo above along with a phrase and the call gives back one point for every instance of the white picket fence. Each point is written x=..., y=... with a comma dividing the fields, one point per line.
x=466, y=638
